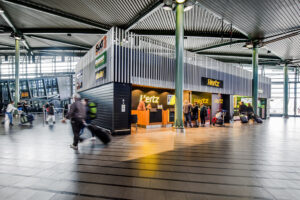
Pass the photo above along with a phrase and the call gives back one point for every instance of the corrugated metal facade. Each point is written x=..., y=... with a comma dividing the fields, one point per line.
x=143, y=61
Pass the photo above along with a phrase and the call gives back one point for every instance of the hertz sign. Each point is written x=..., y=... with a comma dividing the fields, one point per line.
x=211, y=82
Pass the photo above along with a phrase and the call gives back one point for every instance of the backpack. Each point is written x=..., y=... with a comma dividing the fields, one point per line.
x=92, y=110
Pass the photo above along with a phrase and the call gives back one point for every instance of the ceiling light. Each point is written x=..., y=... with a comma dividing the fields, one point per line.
x=168, y=5
x=180, y=1
x=188, y=5
x=248, y=45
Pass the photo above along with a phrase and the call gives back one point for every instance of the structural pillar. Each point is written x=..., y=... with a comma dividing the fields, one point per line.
x=17, y=74
x=286, y=91
x=295, y=91
x=255, y=78
x=179, y=66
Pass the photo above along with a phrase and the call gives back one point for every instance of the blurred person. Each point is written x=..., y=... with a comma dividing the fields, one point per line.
x=142, y=106
x=196, y=113
x=149, y=106
x=250, y=111
x=9, y=112
x=51, y=114
x=203, y=114
x=77, y=115
x=187, y=108
x=88, y=118
x=242, y=108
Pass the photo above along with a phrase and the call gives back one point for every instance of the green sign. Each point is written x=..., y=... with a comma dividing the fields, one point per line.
x=101, y=60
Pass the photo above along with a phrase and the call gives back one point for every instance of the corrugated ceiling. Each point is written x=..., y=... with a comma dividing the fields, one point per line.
x=111, y=12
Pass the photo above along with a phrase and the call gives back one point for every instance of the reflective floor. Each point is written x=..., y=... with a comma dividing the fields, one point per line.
x=250, y=161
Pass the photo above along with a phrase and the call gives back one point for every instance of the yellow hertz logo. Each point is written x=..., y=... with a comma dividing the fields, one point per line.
x=213, y=83
x=150, y=99
x=100, y=74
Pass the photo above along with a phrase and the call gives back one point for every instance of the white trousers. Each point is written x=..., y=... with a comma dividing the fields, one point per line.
x=51, y=117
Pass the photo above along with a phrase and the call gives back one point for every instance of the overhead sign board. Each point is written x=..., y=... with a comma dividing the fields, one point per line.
x=211, y=82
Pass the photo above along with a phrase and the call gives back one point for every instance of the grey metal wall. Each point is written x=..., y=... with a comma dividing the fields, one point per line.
x=143, y=61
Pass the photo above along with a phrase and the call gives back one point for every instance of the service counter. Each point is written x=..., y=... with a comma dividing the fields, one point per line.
x=153, y=117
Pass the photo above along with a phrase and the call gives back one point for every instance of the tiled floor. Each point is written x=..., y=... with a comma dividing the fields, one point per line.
x=236, y=162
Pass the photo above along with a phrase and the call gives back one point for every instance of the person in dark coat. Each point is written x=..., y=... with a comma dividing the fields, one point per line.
x=243, y=108
x=250, y=111
x=196, y=113
x=203, y=114
x=77, y=115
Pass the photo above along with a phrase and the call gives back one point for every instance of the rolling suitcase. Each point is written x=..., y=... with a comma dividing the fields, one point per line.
x=101, y=133
x=244, y=118
x=258, y=119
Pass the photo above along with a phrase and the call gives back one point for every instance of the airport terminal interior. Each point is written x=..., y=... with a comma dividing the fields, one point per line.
x=149, y=99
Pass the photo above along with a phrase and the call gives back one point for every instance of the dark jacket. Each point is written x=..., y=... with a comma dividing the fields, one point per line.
x=51, y=110
x=77, y=111
x=195, y=110
x=250, y=109
x=203, y=111
x=243, y=108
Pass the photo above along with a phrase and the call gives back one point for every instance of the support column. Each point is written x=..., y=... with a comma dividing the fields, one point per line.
x=295, y=91
x=286, y=92
x=17, y=74
x=255, y=78
x=179, y=66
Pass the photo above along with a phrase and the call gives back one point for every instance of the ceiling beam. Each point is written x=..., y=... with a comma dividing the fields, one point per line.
x=219, y=45
x=144, y=14
x=64, y=48
x=78, y=54
x=171, y=33
x=61, y=31
x=60, y=41
x=56, y=12
x=15, y=30
x=7, y=45
x=237, y=55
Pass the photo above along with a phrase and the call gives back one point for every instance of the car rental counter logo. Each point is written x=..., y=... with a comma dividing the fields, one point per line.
x=211, y=82
x=150, y=99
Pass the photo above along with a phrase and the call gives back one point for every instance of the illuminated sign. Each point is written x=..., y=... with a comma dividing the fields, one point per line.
x=101, y=74
x=218, y=101
x=211, y=82
x=150, y=99
x=171, y=100
x=24, y=94
x=100, y=60
x=101, y=46
x=202, y=100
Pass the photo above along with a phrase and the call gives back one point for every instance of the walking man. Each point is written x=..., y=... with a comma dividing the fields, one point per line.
x=9, y=112
x=203, y=114
x=187, y=108
x=77, y=115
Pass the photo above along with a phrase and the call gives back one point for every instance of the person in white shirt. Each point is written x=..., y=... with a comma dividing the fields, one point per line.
x=9, y=112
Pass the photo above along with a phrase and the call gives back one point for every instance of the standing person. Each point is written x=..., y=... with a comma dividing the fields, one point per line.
x=9, y=112
x=196, y=113
x=203, y=114
x=187, y=108
x=77, y=114
x=250, y=111
x=242, y=108
x=51, y=114
x=25, y=107
x=142, y=106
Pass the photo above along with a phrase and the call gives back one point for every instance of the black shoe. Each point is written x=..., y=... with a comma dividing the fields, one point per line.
x=11, y=124
x=53, y=122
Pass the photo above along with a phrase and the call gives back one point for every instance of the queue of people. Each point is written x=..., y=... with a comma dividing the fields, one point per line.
x=191, y=112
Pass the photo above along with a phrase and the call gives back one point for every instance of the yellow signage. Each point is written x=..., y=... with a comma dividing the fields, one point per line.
x=202, y=100
x=171, y=100
x=100, y=74
x=150, y=99
x=220, y=101
x=213, y=83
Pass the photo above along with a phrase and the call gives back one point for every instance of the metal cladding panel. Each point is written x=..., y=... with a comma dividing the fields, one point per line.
x=37, y=42
x=103, y=96
x=110, y=12
x=87, y=65
x=28, y=18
